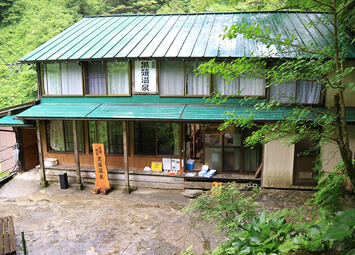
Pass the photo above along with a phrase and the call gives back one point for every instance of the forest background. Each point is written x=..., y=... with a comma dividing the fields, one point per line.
x=26, y=24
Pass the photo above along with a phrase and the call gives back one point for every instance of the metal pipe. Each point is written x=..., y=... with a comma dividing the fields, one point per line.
x=23, y=243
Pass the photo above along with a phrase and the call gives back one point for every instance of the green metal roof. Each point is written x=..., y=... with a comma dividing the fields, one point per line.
x=178, y=36
x=58, y=111
x=138, y=111
x=11, y=121
x=176, y=112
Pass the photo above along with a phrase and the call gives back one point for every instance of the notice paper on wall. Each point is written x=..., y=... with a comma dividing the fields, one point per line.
x=166, y=163
x=175, y=164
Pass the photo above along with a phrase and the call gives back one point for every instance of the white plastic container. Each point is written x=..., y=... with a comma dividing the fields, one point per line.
x=48, y=162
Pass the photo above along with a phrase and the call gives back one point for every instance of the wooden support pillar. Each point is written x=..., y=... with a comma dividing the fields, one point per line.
x=79, y=185
x=127, y=188
x=44, y=182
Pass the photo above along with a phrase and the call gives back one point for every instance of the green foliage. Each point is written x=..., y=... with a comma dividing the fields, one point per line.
x=258, y=237
x=3, y=174
x=228, y=208
x=331, y=191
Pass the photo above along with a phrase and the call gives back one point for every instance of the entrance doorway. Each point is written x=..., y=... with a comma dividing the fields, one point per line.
x=305, y=156
x=222, y=150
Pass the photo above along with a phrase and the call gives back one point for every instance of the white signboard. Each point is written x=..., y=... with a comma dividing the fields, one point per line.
x=145, y=77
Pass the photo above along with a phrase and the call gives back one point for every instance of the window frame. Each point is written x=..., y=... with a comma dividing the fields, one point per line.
x=108, y=137
x=85, y=72
x=241, y=153
x=47, y=123
x=184, y=85
x=42, y=70
x=156, y=142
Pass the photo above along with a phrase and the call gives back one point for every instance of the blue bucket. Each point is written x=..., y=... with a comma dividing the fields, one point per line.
x=190, y=166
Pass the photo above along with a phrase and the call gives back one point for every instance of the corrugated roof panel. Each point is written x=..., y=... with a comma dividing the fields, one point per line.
x=138, y=111
x=11, y=121
x=190, y=41
x=82, y=45
x=139, y=37
x=58, y=111
x=62, y=45
x=181, y=36
x=148, y=37
x=213, y=41
x=161, y=35
x=110, y=40
x=128, y=37
x=201, y=43
x=61, y=36
x=170, y=37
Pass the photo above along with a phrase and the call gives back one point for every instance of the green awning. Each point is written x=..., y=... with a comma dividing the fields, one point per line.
x=138, y=111
x=48, y=111
x=176, y=112
x=11, y=121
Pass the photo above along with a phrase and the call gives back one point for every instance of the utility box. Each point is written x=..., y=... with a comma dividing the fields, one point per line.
x=63, y=179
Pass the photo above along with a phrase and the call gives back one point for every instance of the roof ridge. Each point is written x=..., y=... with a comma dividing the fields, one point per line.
x=198, y=13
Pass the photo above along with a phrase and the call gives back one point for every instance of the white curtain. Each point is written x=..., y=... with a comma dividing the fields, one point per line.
x=283, y=91
x=56, y=135
x=72, y=83
x=251, y=159
x=196, y=85
x=221, y=86
x=252, y=87
x=171, y=78
x=51, y=79
x=308, y=92
x=96, y=78
x=117, y=78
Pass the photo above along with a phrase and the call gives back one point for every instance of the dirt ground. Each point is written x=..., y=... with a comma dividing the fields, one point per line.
x=147, y=221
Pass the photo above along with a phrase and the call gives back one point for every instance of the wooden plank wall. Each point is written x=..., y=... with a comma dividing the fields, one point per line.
x=7, y=236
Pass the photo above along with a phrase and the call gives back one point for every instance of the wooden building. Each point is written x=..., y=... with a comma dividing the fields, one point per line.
x=14, y=133
x=129, y=81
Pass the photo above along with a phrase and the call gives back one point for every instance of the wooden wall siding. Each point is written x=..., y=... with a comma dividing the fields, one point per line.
x=29, y=144
x=138, y=162
x=143, y=181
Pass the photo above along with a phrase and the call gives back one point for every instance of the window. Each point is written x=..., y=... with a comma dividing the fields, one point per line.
x=60, y=135
x=108, y=78
x=246, y=87
x=156, y=138
x=304, y=92
x=225, y=151
x=172, y=78
x=179, y=78
x=110, y=133
x=62, y=79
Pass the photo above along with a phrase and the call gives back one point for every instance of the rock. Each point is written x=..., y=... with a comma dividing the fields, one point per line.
x=192, y=193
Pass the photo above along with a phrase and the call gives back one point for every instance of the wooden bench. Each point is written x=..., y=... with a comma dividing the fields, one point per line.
x=7, y=236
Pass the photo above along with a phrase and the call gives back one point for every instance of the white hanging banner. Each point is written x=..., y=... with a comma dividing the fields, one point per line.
x=145, y=77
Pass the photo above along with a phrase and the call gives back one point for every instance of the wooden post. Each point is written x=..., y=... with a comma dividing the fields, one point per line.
x=42, y=171
x=126, y=189
x=79, y=185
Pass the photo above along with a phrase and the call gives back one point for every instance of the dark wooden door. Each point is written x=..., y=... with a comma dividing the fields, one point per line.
x=303, y=172
x=30, y=150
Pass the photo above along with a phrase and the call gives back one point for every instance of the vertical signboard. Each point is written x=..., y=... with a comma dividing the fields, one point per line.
x=102, y=183
x=145, y=77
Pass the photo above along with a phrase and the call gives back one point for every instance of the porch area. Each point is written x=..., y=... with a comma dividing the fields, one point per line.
x=148, y=179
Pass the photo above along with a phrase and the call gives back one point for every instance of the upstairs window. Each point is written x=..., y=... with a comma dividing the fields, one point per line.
x=179, y=78
x=108, y=78
x=62, y=79
x=304, y=92
x=246, y=87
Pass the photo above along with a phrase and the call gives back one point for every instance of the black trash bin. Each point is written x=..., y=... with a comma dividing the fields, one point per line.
x=63, y=179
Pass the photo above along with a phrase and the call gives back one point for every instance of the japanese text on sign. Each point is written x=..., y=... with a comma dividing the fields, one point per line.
x=145, y=77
